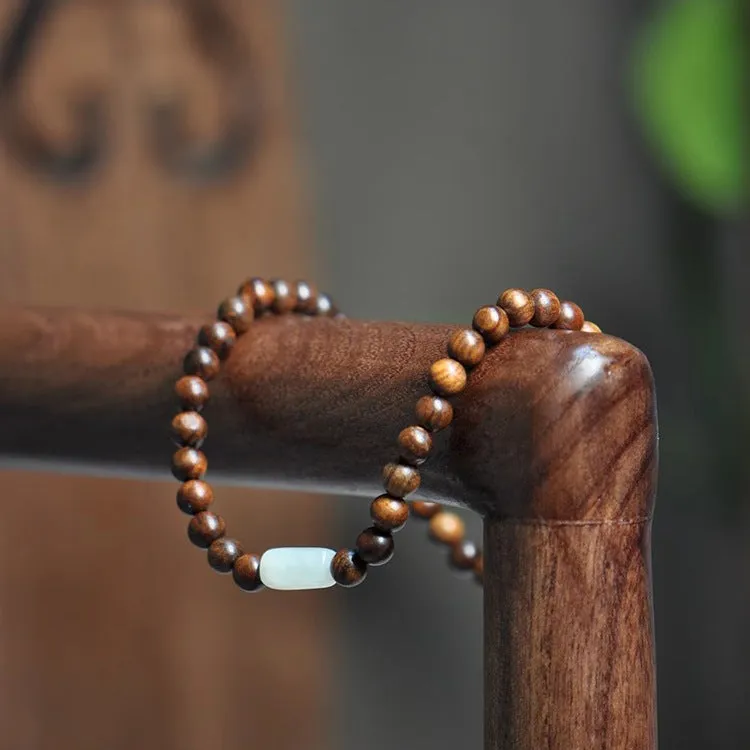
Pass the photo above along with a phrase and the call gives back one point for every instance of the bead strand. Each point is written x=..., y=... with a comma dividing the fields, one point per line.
x=295, y=568
x=207, y=530
x=447, y=377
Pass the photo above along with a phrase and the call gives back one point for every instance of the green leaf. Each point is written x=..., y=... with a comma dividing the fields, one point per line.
x=688, y=91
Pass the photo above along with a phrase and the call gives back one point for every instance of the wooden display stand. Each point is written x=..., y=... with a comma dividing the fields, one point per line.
x=554, y=443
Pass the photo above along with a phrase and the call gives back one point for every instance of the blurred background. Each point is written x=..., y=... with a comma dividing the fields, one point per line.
x=414, y=159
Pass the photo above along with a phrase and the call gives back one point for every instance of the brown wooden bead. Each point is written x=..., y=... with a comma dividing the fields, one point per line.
x=467, y=347
x=259, y=292
x=218, y=336
x=194, y=496
x=447, y=377
x=306, y=298
x=192, y=392
x=434, y=413
x=589, y=327
x=205, y=528
x=347, y=569
x=414, y=444
x=424, y=509
x=518, y=305
x=189, y=463
x=284, y=300
x=463, y=556
x=374, y=546
x=571, y=317
x=399, y=479
x=324, y=307
x=447, y=528
x=546, y=307
x=246, y=572
x=238, y=312
x=389, y=513
x=223, y=553
x=189, y=428
x=492, y=323
x=202, y=362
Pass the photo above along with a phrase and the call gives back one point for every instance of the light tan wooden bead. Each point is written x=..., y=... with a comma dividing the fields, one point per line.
x=434, y=413
x=447, y=377
x=492, y=323
x=447, y=528
x=189, y=428
x=546, y=307
x=589, y=327
x=424, y=509
x=414, y=444
x=389, y=513
x=518, y=306
x=467, y=347
x=400, y=480
x=571, y=317
x=238, y=312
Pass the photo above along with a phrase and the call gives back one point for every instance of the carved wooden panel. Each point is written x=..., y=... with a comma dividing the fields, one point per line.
x=147, y=160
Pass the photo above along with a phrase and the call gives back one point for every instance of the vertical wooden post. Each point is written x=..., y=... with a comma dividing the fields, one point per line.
x=569, y=640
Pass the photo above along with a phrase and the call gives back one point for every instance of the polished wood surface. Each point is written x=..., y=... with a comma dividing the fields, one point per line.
x=314, y=403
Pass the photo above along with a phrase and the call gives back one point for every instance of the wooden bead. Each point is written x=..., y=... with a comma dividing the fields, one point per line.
x=347, y=569
x=571, y=317
x=189, y=428
x=423, y=509
x=414, y=444
x=399, y=479
x=192, y=392
x=246, y=572
x=518, y=306
x=223, y=553
x=194, y=496
x=389, y=513
x=589, y=327
x=491, y=323
x=202, y=362
x=189, y=463
x=463, y=556
x=205, y=528
x=238, y=312
x=434, y=413
x=306, y=298
x=218, y=336
x=467, y=347
x=324, y=307
x=447, y=377
x=447, y=528
x=546, y=307
x=284, y=300
x=375, y=546
x=259, y=293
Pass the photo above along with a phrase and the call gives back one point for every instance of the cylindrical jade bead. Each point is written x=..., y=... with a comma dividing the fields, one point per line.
x=297, y=568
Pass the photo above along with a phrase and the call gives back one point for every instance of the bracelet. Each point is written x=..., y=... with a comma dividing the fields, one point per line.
x=295, y=568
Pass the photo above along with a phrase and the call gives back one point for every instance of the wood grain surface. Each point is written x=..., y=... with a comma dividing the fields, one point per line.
x=319, y=403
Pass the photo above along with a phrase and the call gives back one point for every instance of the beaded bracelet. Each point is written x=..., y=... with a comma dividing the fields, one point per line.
x=294, y=568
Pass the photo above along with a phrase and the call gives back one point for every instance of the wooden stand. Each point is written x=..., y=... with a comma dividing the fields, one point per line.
x=554, y=443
